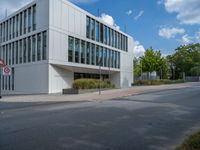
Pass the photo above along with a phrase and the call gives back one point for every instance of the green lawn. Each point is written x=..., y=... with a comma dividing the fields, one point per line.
x=191, y=143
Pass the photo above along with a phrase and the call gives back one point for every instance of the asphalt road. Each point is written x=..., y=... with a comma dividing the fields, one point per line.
x=154, y=121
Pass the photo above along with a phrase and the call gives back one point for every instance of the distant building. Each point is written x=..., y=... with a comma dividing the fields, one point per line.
x=50, y=43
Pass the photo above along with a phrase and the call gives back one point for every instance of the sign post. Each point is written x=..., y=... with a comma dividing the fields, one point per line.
x=4, y=70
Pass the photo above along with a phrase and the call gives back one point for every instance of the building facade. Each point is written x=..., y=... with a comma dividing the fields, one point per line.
x=50, y=43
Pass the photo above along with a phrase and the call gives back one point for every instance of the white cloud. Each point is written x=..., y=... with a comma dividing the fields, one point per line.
x=129, y=12
x=109, y=20
x=11, y=6
x=138, y=50
x=185, y=40
x=188, y=11
x=139, y=15
x=170, y=32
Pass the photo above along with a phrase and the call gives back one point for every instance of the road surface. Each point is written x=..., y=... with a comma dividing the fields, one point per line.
x=153, y=121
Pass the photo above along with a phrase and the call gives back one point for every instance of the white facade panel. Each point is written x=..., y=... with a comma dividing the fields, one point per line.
x=60, y=19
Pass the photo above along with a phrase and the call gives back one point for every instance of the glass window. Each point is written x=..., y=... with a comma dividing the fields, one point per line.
x=6, y=30
x=13, y=55
x=9, y=54
x=13, y=79
x=118, y=59
x=105, y=34
x=119, y=41
x=97, y=31
x=109, y=36
x=44, y=46
x=29, y=19
x=105, y=57
x=93, y=54
x=113, y=38
x=93, y=29
x=17, y=25
x=112, y=59
x=39, y=47
x=20, y=51
x=88, y=27
x=10, y=28
x=29, y=49
x=21, y=28
x=34, y=17
x=116, y=64
x=25, y=18
x=101, y=33
x=25, y=50
x=88, y=53
x=97, y=55
x=70, y=49
x=83, y=52
x=13, y=27
x=116, y=40
x=33, y=48
x=16, y=52
x=101, y=56
x=77, y=50
x=8, y=82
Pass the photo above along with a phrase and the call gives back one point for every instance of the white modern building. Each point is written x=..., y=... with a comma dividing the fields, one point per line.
x=50, y=43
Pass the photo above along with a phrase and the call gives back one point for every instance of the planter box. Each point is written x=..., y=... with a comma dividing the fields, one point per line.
x=80, y=91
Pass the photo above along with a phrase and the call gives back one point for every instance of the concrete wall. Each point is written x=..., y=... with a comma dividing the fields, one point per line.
x=59, y=79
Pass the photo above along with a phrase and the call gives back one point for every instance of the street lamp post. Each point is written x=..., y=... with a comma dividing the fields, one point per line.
x=99, y=76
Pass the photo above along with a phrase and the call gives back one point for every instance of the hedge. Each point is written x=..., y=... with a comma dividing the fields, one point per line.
x=91, y=84
x=156, y=82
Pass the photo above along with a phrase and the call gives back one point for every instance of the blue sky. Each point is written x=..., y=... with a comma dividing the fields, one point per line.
x=162, y=24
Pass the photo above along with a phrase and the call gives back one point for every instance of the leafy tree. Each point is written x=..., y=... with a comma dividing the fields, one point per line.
x=186, y=59
x=153, y=61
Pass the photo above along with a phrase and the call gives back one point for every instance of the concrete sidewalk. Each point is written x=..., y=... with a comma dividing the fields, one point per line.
x=105, y=95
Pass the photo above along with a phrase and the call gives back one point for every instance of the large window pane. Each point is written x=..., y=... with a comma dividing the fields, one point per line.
x=101, y=56
x=20, y=52
x=13, y=54
x=88, y=27
x=70, y=49
x=88, y=53
x=105, y=34
x=29, y=49
x=17, y=25
x=44, y=46
x=97, y=31
x=77, y=50
x=21, y=28
x=33, y=48
x=92, y=29
x=39, y=47
x=101, y=33
x=25, y=50
x=34, y=17
x=16, y=53
x=82, y=52
x=93, y=54
x=25, y=24
x=97, y=55
x=105, y=57
x=29, y=19
x=14, y=27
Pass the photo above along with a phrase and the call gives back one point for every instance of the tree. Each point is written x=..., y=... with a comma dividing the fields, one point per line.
x=186, y=59
x=153, y=61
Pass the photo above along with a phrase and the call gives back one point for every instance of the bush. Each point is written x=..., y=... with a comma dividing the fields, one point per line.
x=192, y=143
x=156, y=82
x=91, y=84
